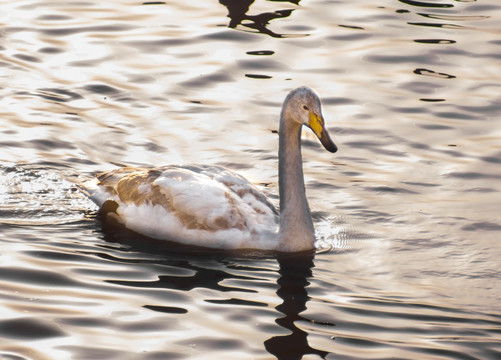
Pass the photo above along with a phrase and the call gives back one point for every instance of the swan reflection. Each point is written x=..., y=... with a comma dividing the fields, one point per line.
x=182, y=274
x=294, y=274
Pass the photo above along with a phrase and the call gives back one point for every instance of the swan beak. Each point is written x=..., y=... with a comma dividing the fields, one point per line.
x=316, y=124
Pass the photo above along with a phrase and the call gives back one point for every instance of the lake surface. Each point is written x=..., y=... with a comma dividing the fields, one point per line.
x=407, y=212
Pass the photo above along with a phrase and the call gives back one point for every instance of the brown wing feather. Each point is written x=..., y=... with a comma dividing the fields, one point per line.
x=128, y=184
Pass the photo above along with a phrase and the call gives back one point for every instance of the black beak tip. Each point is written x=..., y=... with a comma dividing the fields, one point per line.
x=328, y=143
x=332, y=148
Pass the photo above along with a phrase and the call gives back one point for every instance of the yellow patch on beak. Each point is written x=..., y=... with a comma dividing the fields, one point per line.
x=316, y=124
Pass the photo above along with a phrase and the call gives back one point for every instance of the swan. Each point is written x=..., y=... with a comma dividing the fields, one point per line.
x=213, y=207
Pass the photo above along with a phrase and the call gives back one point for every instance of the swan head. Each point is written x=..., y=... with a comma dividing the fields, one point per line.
x=303, y=107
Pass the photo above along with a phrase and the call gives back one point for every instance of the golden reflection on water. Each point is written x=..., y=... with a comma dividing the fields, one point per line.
x=408, y=207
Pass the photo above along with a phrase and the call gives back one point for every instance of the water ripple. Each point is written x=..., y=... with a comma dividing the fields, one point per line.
x=406, y=213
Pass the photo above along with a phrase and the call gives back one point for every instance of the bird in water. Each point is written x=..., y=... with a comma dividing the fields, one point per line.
x=213, y=207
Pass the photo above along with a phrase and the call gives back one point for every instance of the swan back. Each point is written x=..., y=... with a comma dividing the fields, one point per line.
x=207, y=206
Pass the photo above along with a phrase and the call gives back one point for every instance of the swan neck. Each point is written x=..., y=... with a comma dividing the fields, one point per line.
x=296, y=227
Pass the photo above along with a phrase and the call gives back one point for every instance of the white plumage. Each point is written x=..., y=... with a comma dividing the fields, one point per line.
x=198, y=205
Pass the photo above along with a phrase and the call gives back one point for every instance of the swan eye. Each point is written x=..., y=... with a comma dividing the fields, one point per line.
x=305, y=107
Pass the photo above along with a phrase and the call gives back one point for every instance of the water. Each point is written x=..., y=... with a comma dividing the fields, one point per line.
x=409, y=206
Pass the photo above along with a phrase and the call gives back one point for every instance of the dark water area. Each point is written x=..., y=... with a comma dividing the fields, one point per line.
x=407, y=212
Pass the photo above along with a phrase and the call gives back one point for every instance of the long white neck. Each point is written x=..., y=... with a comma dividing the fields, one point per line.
x=296, y=226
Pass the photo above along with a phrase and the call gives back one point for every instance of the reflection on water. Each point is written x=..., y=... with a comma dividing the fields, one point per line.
x=294, y=273
x=406, y=213
x=237, y=12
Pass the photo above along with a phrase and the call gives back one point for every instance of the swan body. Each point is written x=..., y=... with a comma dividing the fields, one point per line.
x=213, y=207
